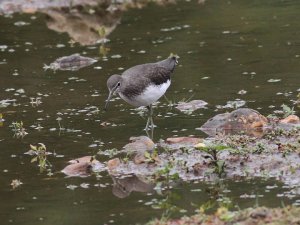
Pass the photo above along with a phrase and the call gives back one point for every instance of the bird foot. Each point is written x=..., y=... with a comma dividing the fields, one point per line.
x=150, y=127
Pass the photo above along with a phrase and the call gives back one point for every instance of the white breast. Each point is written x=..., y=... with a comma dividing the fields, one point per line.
x=150, y=95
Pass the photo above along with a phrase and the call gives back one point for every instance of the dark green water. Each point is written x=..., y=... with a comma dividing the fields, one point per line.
x=238, y=45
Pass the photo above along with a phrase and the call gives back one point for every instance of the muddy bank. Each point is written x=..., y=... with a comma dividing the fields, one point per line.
x=275, y=154
x=278, y=216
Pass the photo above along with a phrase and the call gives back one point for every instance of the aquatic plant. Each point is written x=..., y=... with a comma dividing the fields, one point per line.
x=40, y=153
x=1, y=119
x=166, y=172
x=109, y=152
x=151, y=157
x=173, y=103
x=15, y=183
x=35, y=101
x=18, y=129
x=255, y=215
x=259, y=148
x=212, y=150
x=167, y=204
x=287, y=110
x=103, y=50
x=58, y=119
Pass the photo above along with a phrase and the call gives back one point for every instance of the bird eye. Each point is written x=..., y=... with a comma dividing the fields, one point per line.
x=118, y=84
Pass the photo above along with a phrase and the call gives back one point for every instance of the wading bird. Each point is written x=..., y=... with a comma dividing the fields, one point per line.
x=143, y=84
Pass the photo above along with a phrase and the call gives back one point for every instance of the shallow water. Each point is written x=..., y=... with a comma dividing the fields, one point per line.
x=224, y=47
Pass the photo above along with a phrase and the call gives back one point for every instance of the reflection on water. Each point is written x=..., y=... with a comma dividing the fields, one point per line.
x=82, y=26
x=122, y=187
x=230, y=52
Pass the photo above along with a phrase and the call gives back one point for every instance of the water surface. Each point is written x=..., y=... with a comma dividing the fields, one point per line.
x=224, y=47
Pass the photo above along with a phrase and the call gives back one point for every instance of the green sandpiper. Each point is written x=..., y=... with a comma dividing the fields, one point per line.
x=144, y=84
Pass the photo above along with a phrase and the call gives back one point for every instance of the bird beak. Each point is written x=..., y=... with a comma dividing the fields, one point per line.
x=108, y=99
x=111, y=93
x=176, y=59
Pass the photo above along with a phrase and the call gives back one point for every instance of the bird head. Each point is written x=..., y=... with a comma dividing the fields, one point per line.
x=175, y=57
x=113, y=85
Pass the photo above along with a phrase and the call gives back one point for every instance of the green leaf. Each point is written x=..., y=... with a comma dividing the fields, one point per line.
x=220, y=147
x=42, y=146
x=33, y=147
x=147, y=155
x=34, y=159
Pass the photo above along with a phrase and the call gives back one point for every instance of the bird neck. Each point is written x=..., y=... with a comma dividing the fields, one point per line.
x=168, y=63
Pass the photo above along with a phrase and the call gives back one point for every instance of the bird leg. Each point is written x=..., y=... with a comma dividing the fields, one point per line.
x=150, y=119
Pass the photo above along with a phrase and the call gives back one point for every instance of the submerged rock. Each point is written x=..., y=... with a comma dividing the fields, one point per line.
x=191, y=106
x=123, y=186
x=244, y=120
x=72, y=62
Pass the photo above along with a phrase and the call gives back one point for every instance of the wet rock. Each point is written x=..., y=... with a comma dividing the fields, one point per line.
x=244, y=120
x=142, y=148
x=184, y=140
x=245, y=157
x=139, y=159
x=175, y=143
x=81, y=167
x=259, y=213
x=199, y=169
x=292, y=119
x=146, y=157
x=139, y=144
x=191, y=106
x=122, y=187
x=72, y=62
x=86, y=159
x=113, y=163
